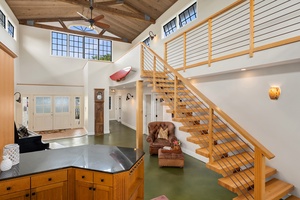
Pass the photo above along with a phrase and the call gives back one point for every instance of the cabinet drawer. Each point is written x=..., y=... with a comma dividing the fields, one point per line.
x=48, y=178
x=84, y=175
x=103, y=178
x=14, y=185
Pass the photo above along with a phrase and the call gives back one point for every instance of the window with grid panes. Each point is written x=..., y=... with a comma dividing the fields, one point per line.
x=188, y=15
x=11, y=29
x=90, y=48
x=76, y=46
x=170, y=27
x=105, y=50
x=2, y=19
x=59, y=44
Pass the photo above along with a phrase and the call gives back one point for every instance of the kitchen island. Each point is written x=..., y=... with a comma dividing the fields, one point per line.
x=83, y=172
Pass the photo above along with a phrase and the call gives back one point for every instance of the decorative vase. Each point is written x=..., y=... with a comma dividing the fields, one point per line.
x=6, y=163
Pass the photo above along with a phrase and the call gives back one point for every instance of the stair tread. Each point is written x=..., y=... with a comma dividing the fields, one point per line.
x=199, y=127
x=185, y=110
x=201, y=138
x=243, y=179
x=191, y=118
x=222, y=148
x=230, y=163
x=275, y=189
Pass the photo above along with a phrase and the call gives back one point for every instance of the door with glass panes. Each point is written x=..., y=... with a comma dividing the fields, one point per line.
x=51, y=113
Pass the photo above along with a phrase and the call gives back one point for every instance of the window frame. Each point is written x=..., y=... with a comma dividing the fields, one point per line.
x=103, y=47
x=10, y=29
x=177, y=17
x=190, y=18
x=2, y=19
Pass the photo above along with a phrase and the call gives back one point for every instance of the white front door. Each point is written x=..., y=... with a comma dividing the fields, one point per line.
x=43, y=117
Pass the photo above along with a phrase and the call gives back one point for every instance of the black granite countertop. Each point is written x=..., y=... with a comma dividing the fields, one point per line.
x=104, y=158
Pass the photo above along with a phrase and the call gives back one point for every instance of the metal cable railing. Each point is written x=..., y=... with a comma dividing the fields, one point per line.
x=195, y=114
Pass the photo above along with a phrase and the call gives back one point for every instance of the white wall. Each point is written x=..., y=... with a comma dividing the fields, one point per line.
x=244, y=97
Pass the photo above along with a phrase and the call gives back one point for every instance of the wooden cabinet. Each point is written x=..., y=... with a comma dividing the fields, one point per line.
x=78, y=184
x=99, y=111
x=93, y=185
x=49, y=185
x=16, y=189
x=44, y=186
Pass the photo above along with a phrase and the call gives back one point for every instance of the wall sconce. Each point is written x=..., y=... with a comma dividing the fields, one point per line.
x=151, y=35
x=274, y=93
x=20, y=97
x=129, y=96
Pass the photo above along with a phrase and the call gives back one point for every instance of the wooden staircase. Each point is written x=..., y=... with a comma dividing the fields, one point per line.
x=232, y=152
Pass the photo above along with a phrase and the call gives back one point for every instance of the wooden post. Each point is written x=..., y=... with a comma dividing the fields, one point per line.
x=139, y=114
x=184, y=51
x=259, y=174
x=210, y=134
x=251, y=46
x=209, y=41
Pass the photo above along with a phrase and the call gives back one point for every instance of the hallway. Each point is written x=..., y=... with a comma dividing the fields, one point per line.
x=193, y=182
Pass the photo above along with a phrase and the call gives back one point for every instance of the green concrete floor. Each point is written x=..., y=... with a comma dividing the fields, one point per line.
x=193, y=182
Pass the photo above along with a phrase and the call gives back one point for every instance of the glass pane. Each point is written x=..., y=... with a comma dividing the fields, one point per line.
x=39, y=109
x=39, y=100
x=47, y=109
x=66, y=108
x=47, y=100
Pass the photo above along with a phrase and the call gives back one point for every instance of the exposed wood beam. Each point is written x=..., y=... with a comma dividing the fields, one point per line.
x=55, y=28
x=62, y=24
x=52, y=19
x=102, y=32
x=114, y=11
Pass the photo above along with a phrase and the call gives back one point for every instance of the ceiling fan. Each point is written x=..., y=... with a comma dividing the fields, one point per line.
x=94, y=21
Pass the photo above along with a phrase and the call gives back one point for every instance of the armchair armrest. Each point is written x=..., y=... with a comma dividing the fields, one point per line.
x=150, y=139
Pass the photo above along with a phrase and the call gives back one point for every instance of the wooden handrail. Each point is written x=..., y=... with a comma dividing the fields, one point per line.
x=222, y=114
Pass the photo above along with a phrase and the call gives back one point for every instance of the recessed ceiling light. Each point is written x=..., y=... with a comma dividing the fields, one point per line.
x=243, y=69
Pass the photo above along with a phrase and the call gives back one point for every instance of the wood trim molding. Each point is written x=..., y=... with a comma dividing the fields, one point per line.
x=7, y=50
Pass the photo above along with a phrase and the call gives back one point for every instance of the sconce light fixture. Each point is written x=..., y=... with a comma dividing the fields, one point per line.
x=129, y=96
x=151, y=35
x=274, y=93
x=113, y=90
x=20, y=97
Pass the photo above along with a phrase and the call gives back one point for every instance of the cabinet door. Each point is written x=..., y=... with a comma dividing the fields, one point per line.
x=102, y=192
x=84, y=190
x=23, y=195
x=57, y=191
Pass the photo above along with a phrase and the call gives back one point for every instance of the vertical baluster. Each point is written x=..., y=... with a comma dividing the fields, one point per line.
x=142, y=66
x=175, y=97
x=184, y=51
x=154, y=73
x=209, y=41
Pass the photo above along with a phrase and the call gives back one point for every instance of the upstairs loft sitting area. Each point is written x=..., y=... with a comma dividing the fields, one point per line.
x=160, y=134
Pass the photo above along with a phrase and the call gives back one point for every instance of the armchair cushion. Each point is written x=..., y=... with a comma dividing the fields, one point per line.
x=160, y=134
x=163, y=134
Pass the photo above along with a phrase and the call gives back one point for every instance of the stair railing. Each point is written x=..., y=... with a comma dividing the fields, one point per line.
x=153, y=65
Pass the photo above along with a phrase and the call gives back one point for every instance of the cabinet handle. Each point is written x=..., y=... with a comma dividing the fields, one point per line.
x=27, y=195
x=8, y=188
x=83, y=177
x=90, y=188
x=102, y=180
x=33, y=194
x=49, y=179
x=94, y=189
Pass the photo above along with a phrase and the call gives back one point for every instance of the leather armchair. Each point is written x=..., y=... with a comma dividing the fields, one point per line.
x=157, y=143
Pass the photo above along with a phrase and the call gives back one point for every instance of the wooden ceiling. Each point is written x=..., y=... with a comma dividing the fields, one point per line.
x=120, y=20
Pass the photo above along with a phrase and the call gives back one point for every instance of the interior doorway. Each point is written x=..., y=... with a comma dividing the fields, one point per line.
x=147, y=110
x=119, y=109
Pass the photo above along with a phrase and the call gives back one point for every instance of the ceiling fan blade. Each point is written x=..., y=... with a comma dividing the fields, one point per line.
x=83, y=16
x=98, y=18
x=102, y=25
